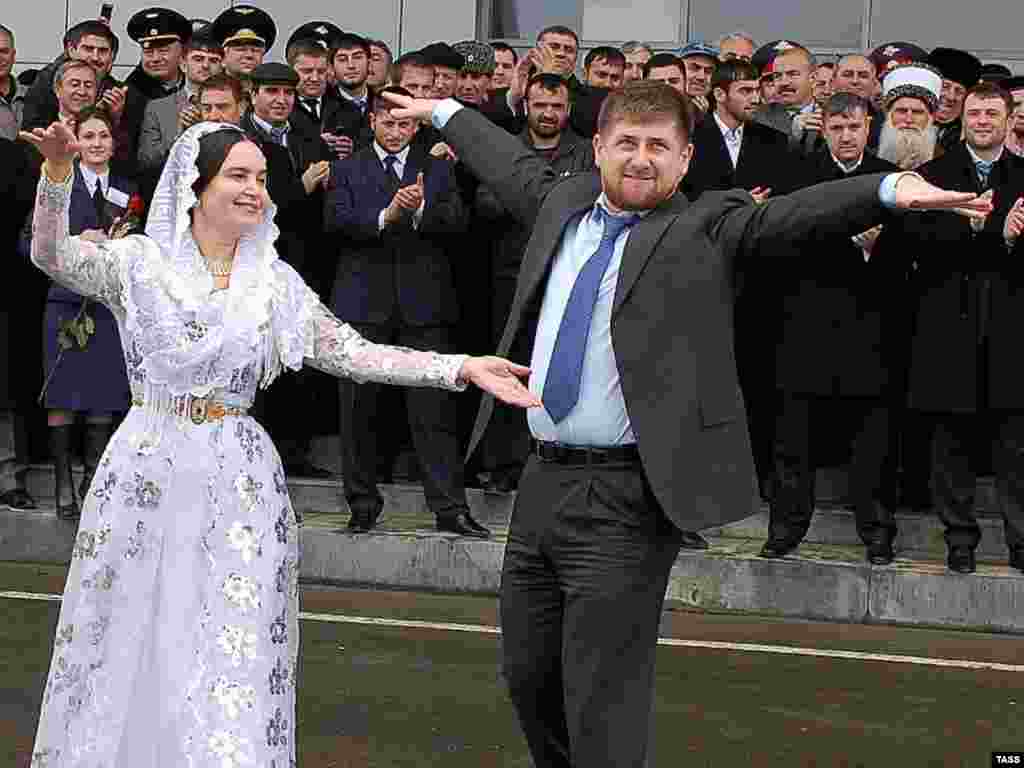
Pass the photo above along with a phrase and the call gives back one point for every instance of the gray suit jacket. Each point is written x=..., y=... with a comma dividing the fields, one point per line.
x=158, y=132
x=672, y=312
x=775, y=116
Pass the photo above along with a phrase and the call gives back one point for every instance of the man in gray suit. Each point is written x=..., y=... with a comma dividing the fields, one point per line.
x=627, y=290
x=794, y=113
x=168, y=116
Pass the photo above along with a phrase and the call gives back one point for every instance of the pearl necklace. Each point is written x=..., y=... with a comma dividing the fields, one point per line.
x=220, y=267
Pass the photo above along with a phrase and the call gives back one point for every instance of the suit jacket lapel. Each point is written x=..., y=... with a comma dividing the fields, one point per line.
x=641, y=244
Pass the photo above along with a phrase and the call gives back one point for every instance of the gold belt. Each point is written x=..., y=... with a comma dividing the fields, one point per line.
x=198, y=410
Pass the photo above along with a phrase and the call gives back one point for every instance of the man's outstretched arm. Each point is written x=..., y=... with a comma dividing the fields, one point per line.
x=519, y=178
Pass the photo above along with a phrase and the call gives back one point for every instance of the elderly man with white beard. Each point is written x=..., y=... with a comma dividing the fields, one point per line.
x=910, y=96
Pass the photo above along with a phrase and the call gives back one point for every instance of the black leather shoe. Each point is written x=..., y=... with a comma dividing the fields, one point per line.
x=880, y=552
x=464, y=525
x=18, y=500
x=68, y=511
x=1017, y=559
x=961, y=560
x=693, y=540
x=362, y=521
x=776, y=548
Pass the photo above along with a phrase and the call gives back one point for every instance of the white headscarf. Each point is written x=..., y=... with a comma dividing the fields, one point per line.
x=187, y=345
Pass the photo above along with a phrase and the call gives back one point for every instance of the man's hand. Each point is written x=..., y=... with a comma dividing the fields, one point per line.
x=406, y=201
x=443, y=150
x=501, y=378
x=809, y=121
x=338, y=144
x=520, y=77
x=189, y=116
x=760, y=194
x=113, y=99
x=544, y=59
x=57, y=144
x=407, y=107
x=1014, y=222
x=978, y=223
x=317, y=173
x=700, y=102
x=914, y=193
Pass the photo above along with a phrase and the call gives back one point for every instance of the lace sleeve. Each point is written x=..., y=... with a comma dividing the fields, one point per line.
x=87, y=268
x=340, y=351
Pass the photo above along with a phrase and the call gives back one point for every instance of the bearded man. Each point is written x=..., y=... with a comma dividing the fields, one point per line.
x=910, y=96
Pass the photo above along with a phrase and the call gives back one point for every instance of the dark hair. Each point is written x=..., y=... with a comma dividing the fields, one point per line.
x=612, y=55
x=647, y=99
x=558, y=29
x=991, y=91
x=499, y=46
x=213, y=151
x=844, y=103
x=415, y=60
x=663, y=60
x=378, y=104
x=348, y=42
x=304, y=48
x=89, y=29
x=384, y=46
x=547, y=81
x=731, y=71
x=222, y=82
x=67, y=66
x=94, y=113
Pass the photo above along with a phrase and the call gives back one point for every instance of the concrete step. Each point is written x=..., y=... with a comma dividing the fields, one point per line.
x=920, y=534
x=818, y=582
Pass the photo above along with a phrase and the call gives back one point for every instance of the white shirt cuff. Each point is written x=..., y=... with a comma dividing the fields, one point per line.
x=887, y=189
x=443, y=112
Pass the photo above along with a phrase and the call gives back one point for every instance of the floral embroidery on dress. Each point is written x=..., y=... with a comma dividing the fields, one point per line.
x=136, y=542
x=241, y=380
x=102, y=579
x=45, y=758
x=229, y=749
x=104, y=491
x=134, y=362
x=249, y=440
x=248, y=489
x=65, y=676
x=238, y=643
x=195, y=331
x=232, y=697
x=245, y=540
x=277, y=730
x=280, y=484
x=279, y=629
x=242, y=591
x=87, y=543
x=141, y=493
x=97, y=630
x=65, y=635
x=279, y=677
x=284, y=575
x=283, y=525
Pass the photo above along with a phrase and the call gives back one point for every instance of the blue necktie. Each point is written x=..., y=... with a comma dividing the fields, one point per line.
x=361, y=103
x=562, y=384
x=984, y=168
x=389, y=165
x=277, y=135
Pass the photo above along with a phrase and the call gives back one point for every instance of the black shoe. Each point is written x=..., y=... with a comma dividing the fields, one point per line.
x=68, y=511
x=776, y=548
x=961, y=560
x=880, y=552
x=1017, y=559
x=18, y=500
x=504, y=480
x=363, y=520
x=464, y=525
x=692, y=540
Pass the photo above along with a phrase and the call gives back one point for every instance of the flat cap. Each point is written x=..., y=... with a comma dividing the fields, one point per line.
x=245, y=25
x=154, y=26
x=994, y=73
x=274, y=73
x=699, y=49
x=443, y=55
x=478, y=57
x=956, y=65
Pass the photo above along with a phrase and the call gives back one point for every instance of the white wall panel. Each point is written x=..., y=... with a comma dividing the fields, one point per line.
x=656, y=21
x=377, y=19
x=979, y=26
x=38, y=29
x=815, y=23
x=428, y=21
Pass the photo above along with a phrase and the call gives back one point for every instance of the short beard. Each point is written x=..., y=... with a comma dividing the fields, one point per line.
x=907, y=148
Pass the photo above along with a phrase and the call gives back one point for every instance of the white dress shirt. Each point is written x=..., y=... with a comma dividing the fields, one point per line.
x=399, y=170
x=733, y=139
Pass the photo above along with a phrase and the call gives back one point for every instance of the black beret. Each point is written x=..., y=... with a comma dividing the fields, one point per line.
x=1015, y=83
x=994, y=72
x=159, y=25
x=324, y=33
x=274, y=74
x=956, y=65
x=443, y=55
x=245, y=24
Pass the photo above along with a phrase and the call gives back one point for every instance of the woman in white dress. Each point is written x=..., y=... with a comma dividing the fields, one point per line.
x=178, y=634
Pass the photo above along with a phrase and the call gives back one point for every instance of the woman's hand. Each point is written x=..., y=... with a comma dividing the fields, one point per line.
x=94, y=236
x=57, y=144
x=501, y=378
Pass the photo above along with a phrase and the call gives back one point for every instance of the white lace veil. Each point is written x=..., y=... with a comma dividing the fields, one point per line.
x=186, y=353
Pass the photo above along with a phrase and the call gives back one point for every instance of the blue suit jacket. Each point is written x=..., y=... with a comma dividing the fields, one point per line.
x=402, y=273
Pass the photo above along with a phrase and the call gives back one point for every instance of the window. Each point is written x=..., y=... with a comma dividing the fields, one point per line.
x=523, y=19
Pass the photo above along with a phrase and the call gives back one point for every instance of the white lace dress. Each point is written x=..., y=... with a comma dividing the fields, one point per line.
x=178, y=633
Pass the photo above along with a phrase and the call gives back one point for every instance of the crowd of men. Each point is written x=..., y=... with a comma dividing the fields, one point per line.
x=892, y=351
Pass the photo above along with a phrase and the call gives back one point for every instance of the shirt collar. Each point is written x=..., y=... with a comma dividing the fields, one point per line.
x=349, y=97
x=268, y=128
x=729, y=133
x=90, y=176
x=382, y=153
x=843, y=167
x=977, y=159
x=602, y=203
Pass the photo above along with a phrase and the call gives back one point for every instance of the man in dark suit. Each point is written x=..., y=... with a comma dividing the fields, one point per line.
x=831, y=364
x=348, y=103
x=397, y=208
x=732, y=150
x=965, y=377
x=627, y=289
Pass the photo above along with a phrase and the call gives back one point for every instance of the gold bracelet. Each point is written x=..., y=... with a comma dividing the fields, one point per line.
x=46, y=170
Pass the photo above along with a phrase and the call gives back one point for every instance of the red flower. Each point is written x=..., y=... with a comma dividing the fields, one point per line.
x=135, y=206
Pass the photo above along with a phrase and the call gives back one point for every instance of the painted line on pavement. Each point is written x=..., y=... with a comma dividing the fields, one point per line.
x=483, y=629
